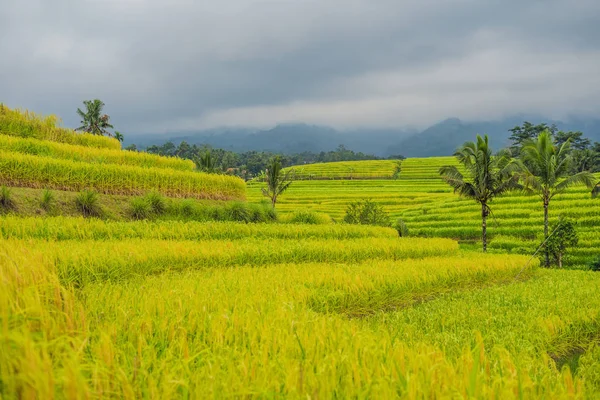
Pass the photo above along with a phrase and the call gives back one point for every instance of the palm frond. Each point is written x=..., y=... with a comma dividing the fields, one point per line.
x=583, y=178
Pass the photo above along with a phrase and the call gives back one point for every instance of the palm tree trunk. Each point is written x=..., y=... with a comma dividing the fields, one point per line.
x=559, y=260
x=546, y=252
x=484, y=226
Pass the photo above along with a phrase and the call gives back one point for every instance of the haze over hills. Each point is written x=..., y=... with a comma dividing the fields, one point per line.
x=437, y=140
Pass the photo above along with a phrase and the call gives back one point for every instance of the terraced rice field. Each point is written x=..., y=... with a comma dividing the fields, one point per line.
x=90, y=154
x=430, y=209
x=358, y=314
x=372, y=169
x=95, y=309
x=26, y=124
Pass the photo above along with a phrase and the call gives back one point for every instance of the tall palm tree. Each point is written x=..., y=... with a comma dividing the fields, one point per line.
x=488, y=176
x=119, y=136
x=92, y=120
x=545, y=170
x=206, y=163
x=277, y=180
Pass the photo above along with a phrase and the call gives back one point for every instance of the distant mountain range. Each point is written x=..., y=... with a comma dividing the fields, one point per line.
x=437, y=140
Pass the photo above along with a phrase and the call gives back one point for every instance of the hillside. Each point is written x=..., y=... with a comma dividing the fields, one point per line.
x=36, y=153
x=440, y=139
x=430, y=209
x=443, y=138
x=175, y=291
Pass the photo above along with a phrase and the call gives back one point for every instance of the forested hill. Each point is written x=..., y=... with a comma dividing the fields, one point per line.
x=437, y=140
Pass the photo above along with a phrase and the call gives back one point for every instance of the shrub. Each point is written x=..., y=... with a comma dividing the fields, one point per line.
x=87, y=202
x=564, y=236
x=366, y=212
x=595, y=265
x=257, y=213
x=140, y=208
x=238, y=211
x=401, y=227
x=269, y=212
x=6, y=201
x=188, y=208
x=47, y=200
x=308, y=217
x=157, y=202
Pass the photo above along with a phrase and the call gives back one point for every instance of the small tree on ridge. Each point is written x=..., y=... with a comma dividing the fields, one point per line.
x=488, y=176
x=277, y=180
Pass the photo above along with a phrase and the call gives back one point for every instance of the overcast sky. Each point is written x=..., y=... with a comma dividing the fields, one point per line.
x=191, y=64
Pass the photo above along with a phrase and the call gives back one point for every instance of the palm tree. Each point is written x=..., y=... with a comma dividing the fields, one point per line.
x=119, y=136
x=545, y=170
x=488, y=176
x=206, y=163
x=277, y=181
x=92, y=120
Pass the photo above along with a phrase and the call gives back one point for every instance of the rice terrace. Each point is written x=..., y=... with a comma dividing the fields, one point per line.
x=127, y=274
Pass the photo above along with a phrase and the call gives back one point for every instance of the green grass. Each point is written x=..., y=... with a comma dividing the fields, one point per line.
x=429, y=209
x=169, y=306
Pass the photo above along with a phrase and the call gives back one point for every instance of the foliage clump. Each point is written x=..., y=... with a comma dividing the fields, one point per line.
x=47, y=200
x=6, y=201
x=366, y=212
x=308, y=217
x=157, y=202
x=88, y=203
x=564, y=237
x=401, y=227
x=140, y=208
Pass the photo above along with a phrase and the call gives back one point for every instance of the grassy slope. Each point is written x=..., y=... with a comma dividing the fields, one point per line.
x=115, y=207
x=429, y=208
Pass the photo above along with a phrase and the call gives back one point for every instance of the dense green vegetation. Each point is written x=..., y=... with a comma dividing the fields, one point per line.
x=139, y=281
x=251, y=163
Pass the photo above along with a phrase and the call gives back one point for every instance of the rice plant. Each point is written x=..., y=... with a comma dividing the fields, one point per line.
x=92, y=155
x=23, y=123
x=25, y=170
x=140, y=208
x=158, y=204
x=88, y=204
x=6, y=200
x=47, y=201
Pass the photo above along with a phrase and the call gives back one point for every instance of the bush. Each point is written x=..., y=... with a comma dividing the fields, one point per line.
x=595, y=265
x=366, y=212
x=188, y=208
x=47, y=200
x=157, y=202
x=257, y=213
x=87, y=202
x=564, y=236
x=401, y=227
x=6, y=201
x=140, y=208
x=238, y=211
x=308, y=217
x=269, y=212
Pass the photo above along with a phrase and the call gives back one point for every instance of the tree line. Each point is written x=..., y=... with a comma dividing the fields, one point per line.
x=249, y=164
x=541, y=160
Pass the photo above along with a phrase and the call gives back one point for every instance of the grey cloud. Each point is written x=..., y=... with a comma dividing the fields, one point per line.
x=168, y=65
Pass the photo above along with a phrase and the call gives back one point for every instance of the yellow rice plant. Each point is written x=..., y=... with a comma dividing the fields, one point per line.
x=79, y=228
x=45, y=172
x=30, y=125
x=41, y=324
x=86, y=261
x=91, y=154
x=251, y=332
